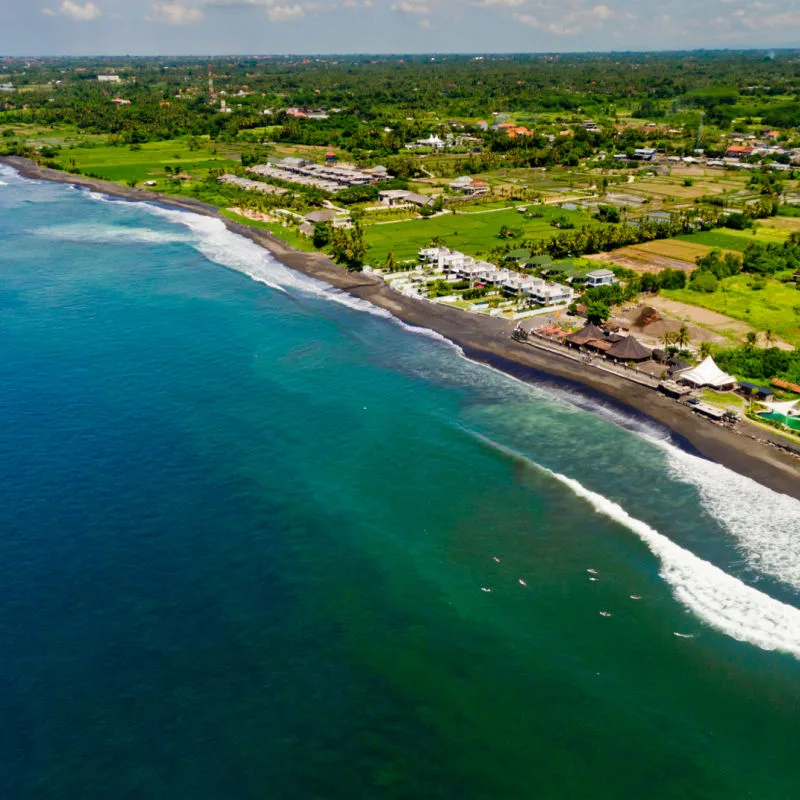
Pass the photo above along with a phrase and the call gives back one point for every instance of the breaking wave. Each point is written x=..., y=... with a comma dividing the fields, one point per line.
x=99, y=233
x=222, y=246
x=764, y=524
x=719, y=599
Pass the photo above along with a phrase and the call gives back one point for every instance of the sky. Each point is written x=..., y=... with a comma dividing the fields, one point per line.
x=177, y=27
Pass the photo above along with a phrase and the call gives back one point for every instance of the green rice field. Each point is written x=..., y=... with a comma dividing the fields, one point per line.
x=147, y=162
x=727, y=239
x=473, y=233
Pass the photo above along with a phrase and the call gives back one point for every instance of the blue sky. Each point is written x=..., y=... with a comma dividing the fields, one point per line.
x=148, y=27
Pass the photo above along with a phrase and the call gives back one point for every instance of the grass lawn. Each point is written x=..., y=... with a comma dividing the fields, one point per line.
x=470, y=233
x=775, y=307
x=725, y=400
x=122, y=164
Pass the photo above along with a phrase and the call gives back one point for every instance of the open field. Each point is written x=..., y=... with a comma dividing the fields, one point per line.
x=728, y=239
x=785, y=225
x=681, y=252
x=776, y=307
x=147, y=162
x=668, y=186
x=721, y=240
x=472, y=233
x=655, y=256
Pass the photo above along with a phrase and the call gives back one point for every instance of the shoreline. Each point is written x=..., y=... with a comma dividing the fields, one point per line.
x=487, y=340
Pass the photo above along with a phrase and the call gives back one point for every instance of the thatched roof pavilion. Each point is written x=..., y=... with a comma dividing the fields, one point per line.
x=629, y=349
x=585, y=334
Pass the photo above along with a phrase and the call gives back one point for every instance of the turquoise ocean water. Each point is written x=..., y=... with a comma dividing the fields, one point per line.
x=260, y=541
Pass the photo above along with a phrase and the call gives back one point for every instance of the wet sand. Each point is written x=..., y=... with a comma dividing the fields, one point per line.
x=488, y=340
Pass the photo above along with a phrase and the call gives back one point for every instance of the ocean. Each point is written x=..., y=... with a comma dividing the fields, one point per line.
x=260, y=540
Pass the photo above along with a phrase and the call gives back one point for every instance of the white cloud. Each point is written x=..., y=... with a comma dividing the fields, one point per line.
x=504, y=3
x=572, y=22
x=786, y=19
x=277, y=10
x=48, y=12
x=424, y=23
x=175, y=14
x=286, y=13
x=529, y=20
x=412, y=7
x=82, y=13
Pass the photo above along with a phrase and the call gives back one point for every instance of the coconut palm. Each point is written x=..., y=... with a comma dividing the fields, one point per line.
x=705, y=349
x=769, y=337
x=751, y=339
x=682, y=338
x=668, y=338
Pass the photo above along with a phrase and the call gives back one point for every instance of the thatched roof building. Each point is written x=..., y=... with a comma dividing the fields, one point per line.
x=586, y=334
x=629, y=349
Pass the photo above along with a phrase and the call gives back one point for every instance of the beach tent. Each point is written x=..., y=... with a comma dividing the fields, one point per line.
x=707, y=373
x=629, y=349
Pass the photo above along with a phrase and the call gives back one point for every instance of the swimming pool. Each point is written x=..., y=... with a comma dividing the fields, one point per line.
x=793, y=423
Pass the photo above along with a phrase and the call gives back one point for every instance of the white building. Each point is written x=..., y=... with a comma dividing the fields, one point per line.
x=600, y=277
x=466, y=267
x=109, y=79
x=470, y=186
x=393, y=197
x=552, y=294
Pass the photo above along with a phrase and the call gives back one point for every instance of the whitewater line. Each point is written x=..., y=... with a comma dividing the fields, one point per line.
x=769, y=544
x=719, y=599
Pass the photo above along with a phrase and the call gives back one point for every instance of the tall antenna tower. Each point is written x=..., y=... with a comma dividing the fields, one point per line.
x=211, y=91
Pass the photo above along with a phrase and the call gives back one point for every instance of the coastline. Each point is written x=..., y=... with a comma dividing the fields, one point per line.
x=487, y=340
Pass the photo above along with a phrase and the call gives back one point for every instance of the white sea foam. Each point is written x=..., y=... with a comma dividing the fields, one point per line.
x=236, y=252
x=765, y=524
x=721, y=600
x=724, y=602
x=115, y=234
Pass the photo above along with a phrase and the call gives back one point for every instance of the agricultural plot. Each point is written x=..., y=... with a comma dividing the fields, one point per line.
x=726, y=239
x=473, y=233
x=782, y=226
x=703, y=182
x=719, y=239
x=680, y=254
x=774, y=307
x=147, y=162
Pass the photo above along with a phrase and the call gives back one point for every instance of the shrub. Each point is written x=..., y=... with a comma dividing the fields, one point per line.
x=704, y=282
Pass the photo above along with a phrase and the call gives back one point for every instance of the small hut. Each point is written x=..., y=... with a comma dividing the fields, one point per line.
x=629, y=349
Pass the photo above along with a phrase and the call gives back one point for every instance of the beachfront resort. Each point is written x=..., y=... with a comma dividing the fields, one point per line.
x=639, y=347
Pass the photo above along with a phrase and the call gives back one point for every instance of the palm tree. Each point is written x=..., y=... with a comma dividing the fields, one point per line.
x=668, y=338
x=751, y=339
x=682, y=338
x=705, y=349
x=769, y=337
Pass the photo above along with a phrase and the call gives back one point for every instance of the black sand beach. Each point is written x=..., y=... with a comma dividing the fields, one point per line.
x=488, y=340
